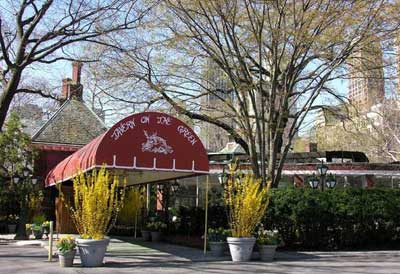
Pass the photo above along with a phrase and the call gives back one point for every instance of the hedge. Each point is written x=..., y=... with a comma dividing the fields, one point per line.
x=192, y=219
x=335, y=219
x=351, y=218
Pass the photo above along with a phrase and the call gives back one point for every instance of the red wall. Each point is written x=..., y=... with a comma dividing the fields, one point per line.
x=48, y=159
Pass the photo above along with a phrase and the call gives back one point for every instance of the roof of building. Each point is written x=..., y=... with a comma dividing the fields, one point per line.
x=340, y=156
x=72, y=124
x=230, y=148
x=31, y=117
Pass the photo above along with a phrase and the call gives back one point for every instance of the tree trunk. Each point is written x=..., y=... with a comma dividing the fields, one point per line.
x=23, y=218
x=7, y=96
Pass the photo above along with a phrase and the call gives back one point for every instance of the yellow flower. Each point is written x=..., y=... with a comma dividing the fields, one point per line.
x=96, y=202
x=247, y=201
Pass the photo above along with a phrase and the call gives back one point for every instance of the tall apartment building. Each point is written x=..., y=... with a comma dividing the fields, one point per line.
x=366, y=86
x=215, y=80
x=398, y=61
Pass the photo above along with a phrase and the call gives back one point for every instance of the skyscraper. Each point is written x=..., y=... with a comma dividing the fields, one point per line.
x=398, y=61
x=217, y=85
x=366, y=86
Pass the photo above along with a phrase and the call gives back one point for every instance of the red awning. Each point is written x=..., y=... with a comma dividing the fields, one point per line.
x=149, y=146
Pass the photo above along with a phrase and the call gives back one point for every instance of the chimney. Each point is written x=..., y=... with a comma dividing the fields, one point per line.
x=72, y=88
x=76, y=72
x=66, y=88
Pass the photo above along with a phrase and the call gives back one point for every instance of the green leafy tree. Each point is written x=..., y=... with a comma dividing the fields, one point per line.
x=265, y=65
x=15, y=151
x=16, y=155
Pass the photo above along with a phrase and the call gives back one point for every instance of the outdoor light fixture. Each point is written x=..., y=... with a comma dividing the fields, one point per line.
x=27, y=183
x=26, y=171
x=222, y=178
x=15, y=179
x=175, y=187
x=322, y=169
x=314, y=182
x=331, y=181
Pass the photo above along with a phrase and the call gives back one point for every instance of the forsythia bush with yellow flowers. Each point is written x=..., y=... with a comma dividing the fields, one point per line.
x=247, y=201
x=133, y=204
x=97, y=202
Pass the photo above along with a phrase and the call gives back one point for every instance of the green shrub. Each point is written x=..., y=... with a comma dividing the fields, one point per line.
x=192, y=219
x=39, y=219
x=335, y=219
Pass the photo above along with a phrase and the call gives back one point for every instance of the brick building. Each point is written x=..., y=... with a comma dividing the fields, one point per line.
x=366, y=85
x=71, y=127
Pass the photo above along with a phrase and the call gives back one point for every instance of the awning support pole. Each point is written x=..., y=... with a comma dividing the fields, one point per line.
x=136, y=217
x=50, y=254
x=197, y=191
x=148, y=198
x=206, y=217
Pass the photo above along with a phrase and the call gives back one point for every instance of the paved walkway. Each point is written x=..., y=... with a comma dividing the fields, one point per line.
x=141, y=257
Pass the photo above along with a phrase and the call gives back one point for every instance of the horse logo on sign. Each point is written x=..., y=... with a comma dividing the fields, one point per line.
x=156, y=144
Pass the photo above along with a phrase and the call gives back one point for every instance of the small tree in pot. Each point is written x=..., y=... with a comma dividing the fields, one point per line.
x=247, y=200
x=66, y=251
x=97, y=202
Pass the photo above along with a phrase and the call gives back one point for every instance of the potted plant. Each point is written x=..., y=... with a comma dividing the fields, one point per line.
x=217, y=241
x=97, y=201
x=46, y=228
x=247, y=202
x=156, y=228
x=267, y=242
x=37, y=231
x=146, y=234
x=36, y=226
x=28, y=229
x=66, y=251
x=12, y=224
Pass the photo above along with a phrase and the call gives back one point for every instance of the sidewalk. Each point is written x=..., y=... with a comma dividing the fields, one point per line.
x=141, y=257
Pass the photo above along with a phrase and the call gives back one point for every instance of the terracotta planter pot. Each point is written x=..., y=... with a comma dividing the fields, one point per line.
x=146, y=235
x=155, y=236
x=67, y=258
x=217, y=248
x=92, y=252
x=241, y=248
x=267, y=252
